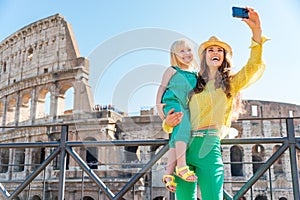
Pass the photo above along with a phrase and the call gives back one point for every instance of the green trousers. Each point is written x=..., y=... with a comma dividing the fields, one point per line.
x=205, y=158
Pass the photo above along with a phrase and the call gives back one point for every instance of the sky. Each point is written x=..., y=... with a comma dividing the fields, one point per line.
x=127, y=42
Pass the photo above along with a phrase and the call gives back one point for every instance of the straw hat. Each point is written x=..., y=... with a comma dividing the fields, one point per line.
x=213, y=40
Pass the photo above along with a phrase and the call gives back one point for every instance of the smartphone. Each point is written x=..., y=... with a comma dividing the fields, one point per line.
x=240, y=12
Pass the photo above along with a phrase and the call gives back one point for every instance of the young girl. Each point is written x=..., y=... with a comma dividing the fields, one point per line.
x=172, y=96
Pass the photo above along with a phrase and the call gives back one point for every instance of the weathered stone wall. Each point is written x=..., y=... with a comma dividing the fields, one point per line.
x=40, y=58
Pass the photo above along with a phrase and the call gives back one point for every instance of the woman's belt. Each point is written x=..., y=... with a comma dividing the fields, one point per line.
x=205, y=132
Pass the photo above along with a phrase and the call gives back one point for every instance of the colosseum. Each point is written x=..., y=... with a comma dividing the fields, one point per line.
x=40, y=64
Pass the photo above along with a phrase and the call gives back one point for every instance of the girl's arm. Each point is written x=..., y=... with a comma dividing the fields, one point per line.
x=161, y=90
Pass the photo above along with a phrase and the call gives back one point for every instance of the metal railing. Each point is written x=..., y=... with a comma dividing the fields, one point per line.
x=65, y=147
x=290, y=143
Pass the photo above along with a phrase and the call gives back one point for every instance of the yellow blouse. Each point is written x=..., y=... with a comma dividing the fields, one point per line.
x=211, y=107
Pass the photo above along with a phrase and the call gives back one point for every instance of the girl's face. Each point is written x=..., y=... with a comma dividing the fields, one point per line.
x=184, y=54
x=214, y=56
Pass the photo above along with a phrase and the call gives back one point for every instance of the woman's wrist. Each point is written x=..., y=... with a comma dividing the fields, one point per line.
x=257, y=35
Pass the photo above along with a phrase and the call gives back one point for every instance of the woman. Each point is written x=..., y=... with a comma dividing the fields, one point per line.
x=213, y=104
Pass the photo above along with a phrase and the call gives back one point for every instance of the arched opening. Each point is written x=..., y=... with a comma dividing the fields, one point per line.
x=278, y=169
x=65, y=99
x=88, y=198
x=43, y=104
x=10, y=115
x=131, y=154
x=160, y=198
x=282, y=198
x=38, y=156
x=69, y=101
x=261, y=197
x=4, y=160
x=19, y=160
x=236, y=156
x=25, y=108
x=258, y=153
x=92, y=155
x=35, y=197
x=56, y=161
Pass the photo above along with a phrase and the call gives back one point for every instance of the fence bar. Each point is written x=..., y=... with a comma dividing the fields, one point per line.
x=64, y=147
x=138, y=175
x=36, y=172
x=263, y=168
x=293, y=156
x=90, y=173
x=63, y=159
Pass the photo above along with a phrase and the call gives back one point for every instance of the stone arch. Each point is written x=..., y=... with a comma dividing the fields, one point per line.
x=19, y=160
x=11, y=109
x=41, y=102
x=4, y=160
x=258, y=154
x=25, y=106
x=37, y=156
x=261, y=197
x=69, y=101
x=36, y=197
x=88, y=198
x=236, y=155
x=282, y=198
x=131, y=153
x=56, y=161
x=91, y=155
x=65, y=88
x=160, y=198
x=278, y=168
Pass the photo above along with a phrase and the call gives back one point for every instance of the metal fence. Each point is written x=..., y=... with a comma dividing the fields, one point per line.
x=65, y=147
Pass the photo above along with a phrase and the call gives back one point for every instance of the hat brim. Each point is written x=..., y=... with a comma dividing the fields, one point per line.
x=206, y=44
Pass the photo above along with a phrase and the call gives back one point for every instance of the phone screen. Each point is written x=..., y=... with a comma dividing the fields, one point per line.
x=240, y=12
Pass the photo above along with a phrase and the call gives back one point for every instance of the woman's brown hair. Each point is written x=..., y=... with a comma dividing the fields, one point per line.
x=222, y=80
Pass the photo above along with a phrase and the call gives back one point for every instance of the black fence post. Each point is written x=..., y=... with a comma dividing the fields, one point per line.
x=293, y=156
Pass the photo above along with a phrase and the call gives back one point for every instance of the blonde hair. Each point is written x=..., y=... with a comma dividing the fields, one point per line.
x=175, y=49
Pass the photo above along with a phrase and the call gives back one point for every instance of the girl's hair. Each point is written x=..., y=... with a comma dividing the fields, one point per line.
x=222, y=80
x=175, y=47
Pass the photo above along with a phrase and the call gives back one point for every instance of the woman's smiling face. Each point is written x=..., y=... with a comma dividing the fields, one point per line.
x=214, y=56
